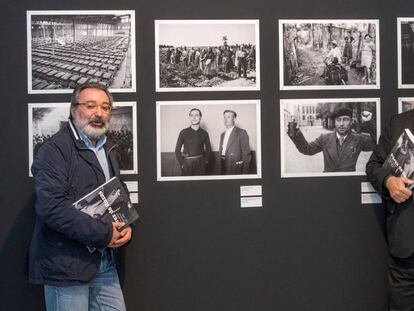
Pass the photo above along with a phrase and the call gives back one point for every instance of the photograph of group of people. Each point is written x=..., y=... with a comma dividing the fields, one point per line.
x=207, y=55
x=199, y=140
x=70, y=48
x=45, y=119
x=329, y=54
x=327, y=137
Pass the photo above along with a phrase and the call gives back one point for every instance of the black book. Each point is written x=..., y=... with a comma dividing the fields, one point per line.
x=400, y=162
x=109, y=202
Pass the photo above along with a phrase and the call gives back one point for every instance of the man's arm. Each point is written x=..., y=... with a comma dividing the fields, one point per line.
x=303, y=146
x=207, y=145
x=180, y=142
x=54, y=202
x=245, y=151
x=388, y=186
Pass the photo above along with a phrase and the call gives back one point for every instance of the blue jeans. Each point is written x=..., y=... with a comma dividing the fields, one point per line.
x=103, y=293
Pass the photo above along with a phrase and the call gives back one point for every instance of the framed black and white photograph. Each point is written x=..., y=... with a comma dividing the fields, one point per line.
x=405, y=104
x=207, y=55
x=327, y=137
x=204, y=140
x=329, y=54
x=405, y=39
x=69, y=48
x=45, y=119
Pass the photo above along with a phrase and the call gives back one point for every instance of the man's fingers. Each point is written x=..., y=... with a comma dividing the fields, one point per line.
x=407, y=180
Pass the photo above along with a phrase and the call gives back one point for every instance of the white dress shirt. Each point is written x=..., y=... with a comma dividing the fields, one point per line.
x=226, y=140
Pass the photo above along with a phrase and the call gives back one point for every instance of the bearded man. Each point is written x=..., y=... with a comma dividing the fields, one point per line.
x=75, y=161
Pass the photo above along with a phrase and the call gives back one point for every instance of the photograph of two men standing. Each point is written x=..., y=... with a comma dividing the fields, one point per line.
x=208, y=140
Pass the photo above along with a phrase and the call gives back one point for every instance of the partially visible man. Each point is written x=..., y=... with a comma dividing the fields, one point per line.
x=194, y=143
x=340, y=148
x=75, y=161
x=398, y=202
x=234, y=147
x=241, y=56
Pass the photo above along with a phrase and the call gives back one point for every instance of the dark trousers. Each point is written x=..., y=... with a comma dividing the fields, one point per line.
x=401, y=282
x=194, y=166
x=242, y=64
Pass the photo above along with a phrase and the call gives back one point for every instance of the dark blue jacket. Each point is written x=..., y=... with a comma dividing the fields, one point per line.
x=64, y=171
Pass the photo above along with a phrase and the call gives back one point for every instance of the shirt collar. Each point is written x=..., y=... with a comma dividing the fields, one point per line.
x=99, y=144
x=338, y=136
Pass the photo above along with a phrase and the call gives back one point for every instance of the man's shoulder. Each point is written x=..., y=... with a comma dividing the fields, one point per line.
x=61, y=139
x=404, y=117
x=327, y=136
x=239, y=130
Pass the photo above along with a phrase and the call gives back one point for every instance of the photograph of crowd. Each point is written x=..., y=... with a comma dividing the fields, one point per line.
x=207, y=55
x=406, y=52
x=201, y=140
x=69, y=48
x=405, y=104
x=45, y=119
x=329, y=54
x=327, y=137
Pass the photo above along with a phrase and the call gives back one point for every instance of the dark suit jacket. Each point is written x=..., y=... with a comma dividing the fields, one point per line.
x=335, y=160
x=400, y=217
x=238, y=149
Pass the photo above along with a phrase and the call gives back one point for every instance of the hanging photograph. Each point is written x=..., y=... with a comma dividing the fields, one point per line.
x=405, y=104
x=405, y=30
x=327, y=137
x=201, y=140
x=69, y=48
x=45, y=119
x=207, y=55
x=329, y=54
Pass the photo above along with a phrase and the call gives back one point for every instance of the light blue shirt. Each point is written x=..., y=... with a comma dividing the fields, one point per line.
x=99, y=152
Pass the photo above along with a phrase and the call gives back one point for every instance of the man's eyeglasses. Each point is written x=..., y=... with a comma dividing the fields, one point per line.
x=92, y=107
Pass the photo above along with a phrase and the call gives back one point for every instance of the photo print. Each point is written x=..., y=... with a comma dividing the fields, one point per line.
x=204, y=140
x=69, y=48
x=327, y=137
x=405, y=39
x=405, y=104
x=207, y=55
x=45, y=119
x=329, y=54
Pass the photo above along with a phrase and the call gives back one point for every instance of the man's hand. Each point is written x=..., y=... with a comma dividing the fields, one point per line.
x=397, y=187
x=126, y=235
x=116, y=235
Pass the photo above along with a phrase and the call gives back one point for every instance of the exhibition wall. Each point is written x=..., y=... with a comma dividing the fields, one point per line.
x=312, y=243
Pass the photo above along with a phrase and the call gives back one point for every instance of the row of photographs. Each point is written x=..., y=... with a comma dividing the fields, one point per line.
x=68, y=48
x=311, y=152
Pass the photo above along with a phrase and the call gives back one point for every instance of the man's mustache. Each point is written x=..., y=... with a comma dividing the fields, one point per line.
x=97, y=120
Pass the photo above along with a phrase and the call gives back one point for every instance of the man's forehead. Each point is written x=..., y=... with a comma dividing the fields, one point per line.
x=93, y=94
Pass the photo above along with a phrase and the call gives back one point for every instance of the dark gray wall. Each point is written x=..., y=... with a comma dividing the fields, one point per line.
x=311, y=247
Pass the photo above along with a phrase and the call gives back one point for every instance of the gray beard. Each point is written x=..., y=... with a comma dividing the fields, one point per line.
x=91, y=132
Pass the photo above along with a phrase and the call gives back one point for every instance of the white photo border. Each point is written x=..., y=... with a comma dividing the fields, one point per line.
x=32, y=106
x=375, y=86
x=401, y=85
x=31, y=13
x=322, y=100
x=157, y=23
x=194, y=103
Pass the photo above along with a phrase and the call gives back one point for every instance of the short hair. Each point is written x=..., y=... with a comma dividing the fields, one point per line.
x=367, y=35
x=231, y=111
x=195, y=109
x=88, y=85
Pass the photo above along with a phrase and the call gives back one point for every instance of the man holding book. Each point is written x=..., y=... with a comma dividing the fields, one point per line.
x=74, y=162
x=398, y=202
